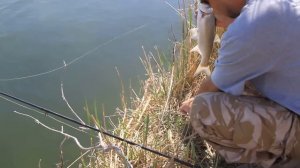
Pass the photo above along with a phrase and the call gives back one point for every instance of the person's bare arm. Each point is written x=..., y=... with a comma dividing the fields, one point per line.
x=206, y=86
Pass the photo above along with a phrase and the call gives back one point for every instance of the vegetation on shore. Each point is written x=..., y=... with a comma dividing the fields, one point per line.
x=153, y=119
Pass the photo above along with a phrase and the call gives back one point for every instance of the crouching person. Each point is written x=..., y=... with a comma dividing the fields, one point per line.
x=260, y=46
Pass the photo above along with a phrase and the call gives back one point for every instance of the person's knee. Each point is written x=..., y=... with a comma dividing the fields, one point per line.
x=199, y=104
x=202, y=104
x=207, y=112
x=202, y=109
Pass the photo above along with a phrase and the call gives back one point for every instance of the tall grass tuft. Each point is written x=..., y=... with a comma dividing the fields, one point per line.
x=153, y=119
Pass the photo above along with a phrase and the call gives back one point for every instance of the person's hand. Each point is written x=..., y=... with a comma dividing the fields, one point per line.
x=186, y=106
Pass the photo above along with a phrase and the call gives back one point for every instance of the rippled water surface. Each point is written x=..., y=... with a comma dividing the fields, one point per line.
x=44, y=43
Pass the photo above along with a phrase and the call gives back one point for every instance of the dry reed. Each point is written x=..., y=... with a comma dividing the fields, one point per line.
x=154, y=119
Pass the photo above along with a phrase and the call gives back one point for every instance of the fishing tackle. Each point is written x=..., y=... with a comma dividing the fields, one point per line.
x=47, y=112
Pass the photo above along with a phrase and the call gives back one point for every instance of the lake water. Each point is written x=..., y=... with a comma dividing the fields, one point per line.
x=44, y=43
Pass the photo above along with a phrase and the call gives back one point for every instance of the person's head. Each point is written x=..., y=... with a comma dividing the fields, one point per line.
x=226, y=11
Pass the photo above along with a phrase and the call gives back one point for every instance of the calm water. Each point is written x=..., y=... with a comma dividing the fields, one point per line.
x=92, y=37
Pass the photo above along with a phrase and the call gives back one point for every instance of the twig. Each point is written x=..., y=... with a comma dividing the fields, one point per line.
x=40, y=161
x=112, y=123
x=61, y=132
x=120, y=153
x=170, y=89
x=53, y=118
x=136, y=96
x=64, y=98
x=78, y=158
x=61, y=152
x=100, y=146
x=101, y=142
x=120, y=112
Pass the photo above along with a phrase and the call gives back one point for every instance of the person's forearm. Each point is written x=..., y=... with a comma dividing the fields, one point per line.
x=207, y=86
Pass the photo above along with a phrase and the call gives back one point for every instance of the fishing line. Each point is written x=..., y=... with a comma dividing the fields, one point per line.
x=76, y=59
x=47, y=111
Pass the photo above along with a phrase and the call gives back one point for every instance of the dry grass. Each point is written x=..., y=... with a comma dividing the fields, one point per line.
x=154, y=119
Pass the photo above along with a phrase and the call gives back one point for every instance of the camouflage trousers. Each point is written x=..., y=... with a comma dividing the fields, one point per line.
x=246, y=129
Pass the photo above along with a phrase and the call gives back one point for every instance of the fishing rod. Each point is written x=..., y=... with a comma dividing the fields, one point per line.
x=47, y=111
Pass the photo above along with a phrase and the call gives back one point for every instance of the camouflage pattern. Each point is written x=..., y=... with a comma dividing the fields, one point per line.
x=247, y=129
